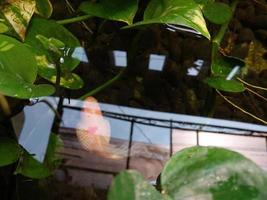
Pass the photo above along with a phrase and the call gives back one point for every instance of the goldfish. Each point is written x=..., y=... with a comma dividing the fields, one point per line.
x=94, y=133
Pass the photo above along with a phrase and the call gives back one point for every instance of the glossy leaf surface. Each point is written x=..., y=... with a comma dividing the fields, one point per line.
x=213, y=173
x=44, y=8
x=16, y=58
x=51, y=29
x=68, y=80
x=118, y=10
x=13, y=86
x=222, y=66
x=220, y=83
x=179, y=12
x=9, y=151
x=18, y=13
x=40, y=34
x=217, y=12
x=130, y=185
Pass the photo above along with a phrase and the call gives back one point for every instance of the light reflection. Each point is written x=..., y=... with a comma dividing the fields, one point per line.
x=93, y=132
x=156, y=62
x=120, y=58
x=195, y=70
x=234, y=72
x=80, y=54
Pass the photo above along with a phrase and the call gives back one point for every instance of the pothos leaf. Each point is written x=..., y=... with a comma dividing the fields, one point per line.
x=179, y=12
x=18, y=14
x=9, y=151
x=220, y=83
x=217, y=12
x=119, y=10
x=44, y=8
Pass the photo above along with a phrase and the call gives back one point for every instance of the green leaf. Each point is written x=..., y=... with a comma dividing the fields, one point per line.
x=3, y=28
x=51, y=29
x=51, y=33
x=68, y=80
x=18, y=71
x=118, y=10
x=222, y=66
x=220, y=83
x=44, y=8
x=18, y=13
x=13, y=86
x=16, y=58
x=134, y=188
x=213, y=173
x=179, y=12
x=9, y=151
x=34, y=169
x=217, y=12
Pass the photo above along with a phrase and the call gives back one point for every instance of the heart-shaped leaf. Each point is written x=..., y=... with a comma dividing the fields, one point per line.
x=9, y=151
x=220, y=83
x=118, y=10
x=217, y=12
x=44, y=8
x=18, y=14
x=212, y=173
x=179, y=12
x=134, y=187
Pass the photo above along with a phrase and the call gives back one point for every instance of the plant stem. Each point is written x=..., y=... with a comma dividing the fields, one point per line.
x=103, y=86
x=216, y=42
x=219, y=36
x=74, y=19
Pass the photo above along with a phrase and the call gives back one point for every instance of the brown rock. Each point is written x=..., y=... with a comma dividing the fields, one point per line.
x=245, y=35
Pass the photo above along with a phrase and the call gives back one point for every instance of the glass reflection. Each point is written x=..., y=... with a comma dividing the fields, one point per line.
x=156, y=62
x=93, y=132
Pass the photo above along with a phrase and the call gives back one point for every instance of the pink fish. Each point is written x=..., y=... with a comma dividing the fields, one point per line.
x=93, y=132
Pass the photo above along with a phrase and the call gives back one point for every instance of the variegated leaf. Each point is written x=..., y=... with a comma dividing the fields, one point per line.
x=18, y=13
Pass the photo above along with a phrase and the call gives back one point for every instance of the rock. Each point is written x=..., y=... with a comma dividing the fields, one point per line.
x=240, y=50
x=258, y=22
x=202, y=49
x=245, y=35
x=172, y=72
x=235, y=25
x=262, y=36
x=241, y=14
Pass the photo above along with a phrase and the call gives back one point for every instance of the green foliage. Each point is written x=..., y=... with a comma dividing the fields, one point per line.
x=50, y=41
x=32, y=168
x=18, y=74
x=180, y=12
x=18, y=14
x=119, y=10
x=217, y=13
x=44, y=8
x=220, y=83
x=136, y=187
x=9, y=151
x=209, y=173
